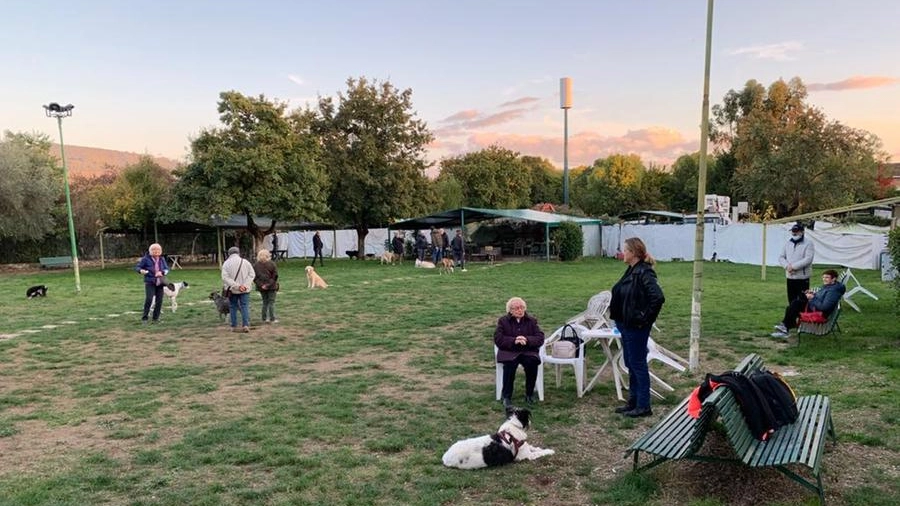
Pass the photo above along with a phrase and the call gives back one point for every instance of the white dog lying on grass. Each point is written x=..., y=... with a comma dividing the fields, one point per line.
x=507, y=445
x=424, y=264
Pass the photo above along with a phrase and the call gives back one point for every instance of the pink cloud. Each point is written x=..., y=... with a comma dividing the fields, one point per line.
x=461, y=116
x=854, y=83
x=520, y=101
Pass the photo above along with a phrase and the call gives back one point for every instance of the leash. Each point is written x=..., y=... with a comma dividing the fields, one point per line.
x=511, y=440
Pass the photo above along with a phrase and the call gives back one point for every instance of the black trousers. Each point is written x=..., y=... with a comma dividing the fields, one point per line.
x=793, y=310
x=317, y=254
x=151, y=291
x=795, y=288
x=530, y=364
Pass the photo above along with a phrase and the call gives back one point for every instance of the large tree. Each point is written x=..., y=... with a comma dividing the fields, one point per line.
x=611, y=186
x=32, y=190
x=546, y=180
x=788, y=155
x=139, y=195
x=493, y=177
x=375, y=152
x=262, y=161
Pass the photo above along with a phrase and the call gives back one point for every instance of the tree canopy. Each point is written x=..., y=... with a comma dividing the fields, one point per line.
x=374, y=147
x=788, y=155
x=32, y=188
x=493, y=177
x=262, y=161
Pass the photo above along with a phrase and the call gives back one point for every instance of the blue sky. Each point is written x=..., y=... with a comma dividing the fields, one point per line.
x=145, y=76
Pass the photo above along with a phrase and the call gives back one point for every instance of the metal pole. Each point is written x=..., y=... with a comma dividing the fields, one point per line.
x=62, y=152
x=697, y=291
x=566, y=157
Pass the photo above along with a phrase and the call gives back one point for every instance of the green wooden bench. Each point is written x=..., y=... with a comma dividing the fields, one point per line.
x=821, y=329
x=48, y=262
x=679, y=436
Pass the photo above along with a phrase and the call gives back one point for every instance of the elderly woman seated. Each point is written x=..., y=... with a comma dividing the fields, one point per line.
x=825, y=299
x=519, y=339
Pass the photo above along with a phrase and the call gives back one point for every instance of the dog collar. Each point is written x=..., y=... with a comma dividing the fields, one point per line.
x=511, y=440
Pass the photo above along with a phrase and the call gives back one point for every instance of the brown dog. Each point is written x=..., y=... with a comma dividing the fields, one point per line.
x=313, y=280
x=390, y=257
x=446, y=265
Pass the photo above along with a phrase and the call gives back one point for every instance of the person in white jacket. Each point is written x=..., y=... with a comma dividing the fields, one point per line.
x=237, y=278
x=797, y=258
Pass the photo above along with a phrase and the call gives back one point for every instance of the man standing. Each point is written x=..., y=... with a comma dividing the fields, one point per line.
x=317, y=249
x=237, y=277
x=397, y=244
x=437, y=245
x=458, y=246
x=797, y=258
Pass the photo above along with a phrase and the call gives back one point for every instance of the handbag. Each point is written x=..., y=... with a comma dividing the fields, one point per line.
x=568, y=345
x=813, y=317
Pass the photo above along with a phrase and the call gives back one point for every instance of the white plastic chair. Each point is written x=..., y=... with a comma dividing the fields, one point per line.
x=594, y=317
x=657, y=352
x=498, y=378
x=577, y=363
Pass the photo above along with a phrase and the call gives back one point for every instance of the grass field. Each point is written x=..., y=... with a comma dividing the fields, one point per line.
x=354, y=396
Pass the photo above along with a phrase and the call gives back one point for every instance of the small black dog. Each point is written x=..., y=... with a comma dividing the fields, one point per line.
x=36, y=291
x=222, y=304
x=352, y=253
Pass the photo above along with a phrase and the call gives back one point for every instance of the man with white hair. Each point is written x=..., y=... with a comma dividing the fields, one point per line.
x=237, y=277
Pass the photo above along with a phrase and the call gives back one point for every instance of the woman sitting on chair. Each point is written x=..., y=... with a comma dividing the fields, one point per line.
x=825, y=299
x=519, y=339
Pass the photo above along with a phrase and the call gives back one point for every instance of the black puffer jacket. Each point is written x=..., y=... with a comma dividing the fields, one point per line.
x=637, y=298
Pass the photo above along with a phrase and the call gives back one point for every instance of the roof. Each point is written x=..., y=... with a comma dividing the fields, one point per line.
x=456, y=217
x=240, y=221
x=660, y=214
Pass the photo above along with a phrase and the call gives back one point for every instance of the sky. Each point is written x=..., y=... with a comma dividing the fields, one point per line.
x=145, y=76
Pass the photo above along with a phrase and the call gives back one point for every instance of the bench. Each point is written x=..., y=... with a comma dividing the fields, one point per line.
x=679, y=436
x=48, y=262
x=821, y=329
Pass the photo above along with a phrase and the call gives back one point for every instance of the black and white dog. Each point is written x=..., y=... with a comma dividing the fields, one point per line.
x=507, y=445
x=36, y=291
x=171, y=291
x=223, y=306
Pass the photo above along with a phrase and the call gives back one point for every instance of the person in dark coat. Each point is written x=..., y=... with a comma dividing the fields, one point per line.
x=154, y=268
x=518, y=339
x=421, y=246
x=636, y=302
x=458, y=246
x=825, y=299
x=317, y=249
x=397, y=244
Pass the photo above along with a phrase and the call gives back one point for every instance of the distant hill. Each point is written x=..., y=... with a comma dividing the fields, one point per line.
x=90, y=162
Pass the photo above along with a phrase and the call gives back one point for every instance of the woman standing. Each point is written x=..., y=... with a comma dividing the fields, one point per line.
x=636, y=302
x=154, y=268
x=518, y=339
x=266, y=281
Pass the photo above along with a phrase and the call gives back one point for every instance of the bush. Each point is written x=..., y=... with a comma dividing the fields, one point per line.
x=570, y=240
x=894, y=251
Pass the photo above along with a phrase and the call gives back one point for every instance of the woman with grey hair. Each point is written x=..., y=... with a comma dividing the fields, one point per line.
x=519, y=339
x=266, y=281
x=154, y=268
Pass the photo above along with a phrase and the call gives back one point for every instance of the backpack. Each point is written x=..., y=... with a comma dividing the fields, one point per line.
x=780, y=396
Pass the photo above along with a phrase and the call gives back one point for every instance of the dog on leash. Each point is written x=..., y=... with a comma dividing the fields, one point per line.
x=223, y=306
x=505, y=446
x=352, y=253
x=424, y=264
x=313, y=280
x=446, y=265
x=171, y=291
x=390, y=257
x=36, y=291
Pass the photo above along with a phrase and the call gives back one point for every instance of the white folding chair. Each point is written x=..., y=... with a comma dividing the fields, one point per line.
x=845, y=278
x=577, y=363
x=594, y=317
x=498, y=378
x=657, y=352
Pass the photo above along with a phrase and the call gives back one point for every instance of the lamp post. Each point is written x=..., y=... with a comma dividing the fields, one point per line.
x=565, y=103
x=57, y=111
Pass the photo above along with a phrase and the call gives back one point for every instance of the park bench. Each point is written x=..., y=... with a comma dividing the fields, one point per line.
x=821, y=329
x=48, y=262
x=679, y=436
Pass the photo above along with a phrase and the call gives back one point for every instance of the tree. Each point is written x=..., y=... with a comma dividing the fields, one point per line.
x=449, y=193
x=611, y=186
x=789, y=155
x=493, y=177
x=546, y=180
x=139, y=195
x=32, y=188
x=261, y=162
x=375, y=151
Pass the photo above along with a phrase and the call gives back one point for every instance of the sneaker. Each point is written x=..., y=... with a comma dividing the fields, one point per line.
x=781, y=328
x=144, y=321
x=529, y=399
x=780, y=335
x=625, y=408
x=245, y=329
x=275, y=320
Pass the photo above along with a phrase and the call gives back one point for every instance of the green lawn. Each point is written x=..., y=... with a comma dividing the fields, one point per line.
x=354, y=396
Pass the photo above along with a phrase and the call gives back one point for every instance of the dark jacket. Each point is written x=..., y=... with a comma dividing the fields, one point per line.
x=421, y=243
x=505, y=337
x=457, y=244
x=266, y=275
x=397, y=245
x=827, y=298
x=146, y=263
x=317, y=243
x=637, y=298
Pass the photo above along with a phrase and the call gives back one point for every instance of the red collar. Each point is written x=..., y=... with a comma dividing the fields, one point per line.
x=511, y=440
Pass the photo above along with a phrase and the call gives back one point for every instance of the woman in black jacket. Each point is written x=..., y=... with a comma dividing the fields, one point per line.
x=636, y=302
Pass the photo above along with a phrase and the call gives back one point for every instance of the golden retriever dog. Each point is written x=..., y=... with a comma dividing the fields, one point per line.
x=424, y=264
x=446, y=265
x=313, y=280
x=390, y=258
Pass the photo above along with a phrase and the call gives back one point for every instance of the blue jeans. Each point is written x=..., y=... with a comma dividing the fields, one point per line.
x=437, y=254
x=244, y=301
x=634, y=349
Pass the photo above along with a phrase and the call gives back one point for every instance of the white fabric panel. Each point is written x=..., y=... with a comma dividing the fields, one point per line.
x=591, y=246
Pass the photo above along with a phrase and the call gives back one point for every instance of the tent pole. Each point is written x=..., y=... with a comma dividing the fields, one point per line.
x=547, y=240
x=764, y=252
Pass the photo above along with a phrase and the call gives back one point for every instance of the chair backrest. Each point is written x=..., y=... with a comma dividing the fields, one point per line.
x=598, y=304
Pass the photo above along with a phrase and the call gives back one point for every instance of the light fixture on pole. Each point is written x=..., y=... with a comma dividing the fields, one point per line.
x=565, y=103
x=57, y=111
